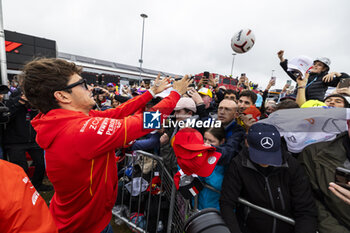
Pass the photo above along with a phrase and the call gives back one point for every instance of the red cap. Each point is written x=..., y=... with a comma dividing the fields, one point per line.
x=193, y=156
x=252, y=110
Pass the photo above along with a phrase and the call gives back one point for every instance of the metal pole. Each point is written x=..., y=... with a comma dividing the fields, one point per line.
x=3, y=65
x=259, y=208
x=144, y=16
x=171, y=207
x=267, y=211
x=273, y=71
x=233, y=61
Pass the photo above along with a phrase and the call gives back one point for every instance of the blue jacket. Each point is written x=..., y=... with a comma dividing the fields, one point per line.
x=234, y=136
x=149, y=143
x=208, y=198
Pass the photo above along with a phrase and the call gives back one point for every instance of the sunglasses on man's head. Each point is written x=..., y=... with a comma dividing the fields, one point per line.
x=80, y=82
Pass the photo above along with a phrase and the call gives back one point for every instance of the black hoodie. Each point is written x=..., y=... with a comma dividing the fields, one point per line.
x=19, y=130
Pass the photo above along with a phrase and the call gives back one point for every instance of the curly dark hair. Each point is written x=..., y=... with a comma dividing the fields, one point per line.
x=250, y=94
x=40, y=79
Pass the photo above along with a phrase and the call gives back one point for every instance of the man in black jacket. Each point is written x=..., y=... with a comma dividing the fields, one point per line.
x=266, y=175
x=20, y=138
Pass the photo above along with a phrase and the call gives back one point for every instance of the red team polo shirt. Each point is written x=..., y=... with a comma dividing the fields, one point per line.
x=81, y=162
x=21, y=207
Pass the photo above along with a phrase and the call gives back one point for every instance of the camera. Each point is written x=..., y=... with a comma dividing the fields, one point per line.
x=4, y=114
x=4, y=89
x=97, y=91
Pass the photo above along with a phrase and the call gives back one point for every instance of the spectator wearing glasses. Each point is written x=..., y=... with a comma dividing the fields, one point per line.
x=234, y=133
x=80, y=143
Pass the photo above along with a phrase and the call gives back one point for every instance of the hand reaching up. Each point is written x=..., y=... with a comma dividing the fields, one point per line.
x=160, y=85
x=181, y=85
x=280, y=55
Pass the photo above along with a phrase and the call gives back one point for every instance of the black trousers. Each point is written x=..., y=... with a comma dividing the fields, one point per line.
x=16, y=154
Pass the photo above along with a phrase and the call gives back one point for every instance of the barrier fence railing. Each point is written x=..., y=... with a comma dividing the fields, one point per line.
x=148, y=200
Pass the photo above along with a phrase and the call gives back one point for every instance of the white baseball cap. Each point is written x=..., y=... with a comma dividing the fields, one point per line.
x=186, y=102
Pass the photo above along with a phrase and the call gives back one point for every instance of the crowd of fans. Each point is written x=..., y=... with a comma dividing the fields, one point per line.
x=251, y=154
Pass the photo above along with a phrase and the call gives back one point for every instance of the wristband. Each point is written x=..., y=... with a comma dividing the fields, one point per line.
x=301, y=87
x=176, y=91
x=152, y=93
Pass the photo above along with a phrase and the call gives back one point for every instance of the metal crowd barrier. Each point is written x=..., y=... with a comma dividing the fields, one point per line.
x=140, y=205
x=157, y=207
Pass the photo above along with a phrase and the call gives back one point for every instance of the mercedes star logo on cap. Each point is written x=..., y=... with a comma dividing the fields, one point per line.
x=266, y=142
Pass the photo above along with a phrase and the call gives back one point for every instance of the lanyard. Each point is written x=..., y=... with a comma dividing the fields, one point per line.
x=311, y=82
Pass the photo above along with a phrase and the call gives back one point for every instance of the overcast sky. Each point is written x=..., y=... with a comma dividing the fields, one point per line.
x=190, y=36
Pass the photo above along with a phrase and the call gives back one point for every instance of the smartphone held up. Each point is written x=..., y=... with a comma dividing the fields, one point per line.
x=342, y=177
x=273, y=80
x=205, y=77
x=344, y=83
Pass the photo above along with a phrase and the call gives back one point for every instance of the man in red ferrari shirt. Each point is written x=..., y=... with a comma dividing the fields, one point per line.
x=80, y=143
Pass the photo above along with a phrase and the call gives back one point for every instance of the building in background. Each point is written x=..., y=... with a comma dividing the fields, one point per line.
x=21, y=48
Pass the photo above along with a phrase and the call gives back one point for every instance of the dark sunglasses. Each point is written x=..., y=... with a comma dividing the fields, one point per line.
x=81, y=81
